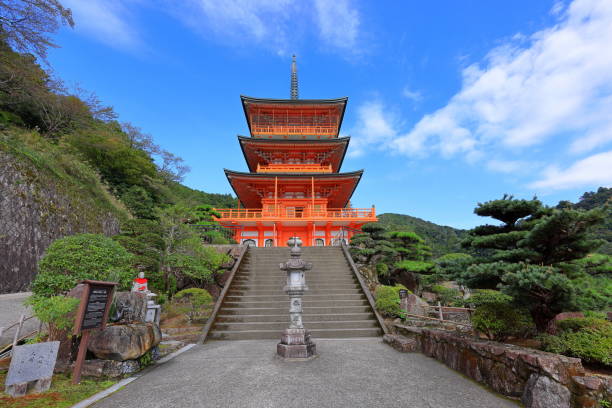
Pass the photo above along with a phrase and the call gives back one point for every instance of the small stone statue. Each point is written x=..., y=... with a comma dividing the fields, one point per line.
x=140, y=283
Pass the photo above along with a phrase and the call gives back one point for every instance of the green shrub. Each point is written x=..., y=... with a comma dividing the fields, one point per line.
x=382, y=269
x=388, y=300
x=56, y=312
x=192, y=301
x=587, y=338
x=448, y=296
x=71, y=259
x=497, y=318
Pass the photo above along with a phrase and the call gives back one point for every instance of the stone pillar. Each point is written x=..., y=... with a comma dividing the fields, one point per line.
x=296, y=343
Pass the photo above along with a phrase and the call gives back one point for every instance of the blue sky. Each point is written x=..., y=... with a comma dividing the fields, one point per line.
x=450, y=103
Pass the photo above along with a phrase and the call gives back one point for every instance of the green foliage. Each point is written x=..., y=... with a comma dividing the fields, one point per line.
x=184, y=258
x=453, y=264
x=139, y=202
x=448, y=296
x=602, y=199
x=193, y=301
x=388, y=300
x=534, y=256
x=393, y=254
x=146, y=359
x=587, y=338
x=382, y=269
x=496, y=317
x=441, y=239
x=86, y=256
x=54, y=310
x=415, y=266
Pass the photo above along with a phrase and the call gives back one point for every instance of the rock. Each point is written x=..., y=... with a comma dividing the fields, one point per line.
x=416, y=305
x=401, y=343
x=124, y=342
x=554, y=324
x=109, y=368
x=131, y=307
x=542, y=392
x=429, y=296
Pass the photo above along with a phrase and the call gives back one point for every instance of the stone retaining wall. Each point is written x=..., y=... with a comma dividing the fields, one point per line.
x=539, y=379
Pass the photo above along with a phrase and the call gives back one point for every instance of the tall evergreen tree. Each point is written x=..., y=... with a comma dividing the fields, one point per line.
x=524, y=256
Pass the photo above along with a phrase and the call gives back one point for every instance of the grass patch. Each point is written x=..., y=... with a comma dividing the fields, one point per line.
x=61, y=394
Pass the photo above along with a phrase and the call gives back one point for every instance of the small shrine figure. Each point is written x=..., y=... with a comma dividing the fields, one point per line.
x=140, y=283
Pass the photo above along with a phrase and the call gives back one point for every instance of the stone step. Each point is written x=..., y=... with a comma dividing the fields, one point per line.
x=316, y=281
x=285, y=317
x=285, y=298
x=305, y=303
x=283, y=310
x=281, y=285
x=279, y=291
x=275, y=334
x=338, y=324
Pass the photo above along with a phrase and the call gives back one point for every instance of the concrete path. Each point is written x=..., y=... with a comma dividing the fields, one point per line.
x=348, y=373
x=11, y=308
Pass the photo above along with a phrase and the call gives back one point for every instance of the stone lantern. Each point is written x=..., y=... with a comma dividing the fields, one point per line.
x=295, y=341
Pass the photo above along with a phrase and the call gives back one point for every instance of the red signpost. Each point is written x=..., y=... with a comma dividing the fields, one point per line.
x=92, y=314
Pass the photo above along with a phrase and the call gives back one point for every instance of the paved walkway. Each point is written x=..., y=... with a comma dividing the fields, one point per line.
x=11, y=307
x=349, y=373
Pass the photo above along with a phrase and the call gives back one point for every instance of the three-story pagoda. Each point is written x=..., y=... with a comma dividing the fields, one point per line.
x=294, y=186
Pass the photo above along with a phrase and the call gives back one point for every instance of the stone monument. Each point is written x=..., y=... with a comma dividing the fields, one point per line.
x=296, y=343
x=31, y=368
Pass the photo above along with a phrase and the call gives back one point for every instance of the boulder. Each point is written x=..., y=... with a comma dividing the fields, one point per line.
x=109, y=368
x=130, y=307
x=543, y=392
x=124, y=342
x=416, y=305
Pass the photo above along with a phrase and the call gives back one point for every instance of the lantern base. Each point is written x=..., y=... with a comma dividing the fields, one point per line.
x=296, y=345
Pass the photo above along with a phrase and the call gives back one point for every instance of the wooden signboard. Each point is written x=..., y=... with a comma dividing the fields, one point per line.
x=92, y=314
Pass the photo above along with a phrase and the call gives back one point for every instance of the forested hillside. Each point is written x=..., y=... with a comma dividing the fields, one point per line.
x=442, y=239
x=67, y=164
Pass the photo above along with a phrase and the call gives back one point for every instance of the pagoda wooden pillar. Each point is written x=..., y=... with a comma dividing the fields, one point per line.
x=328, y=234
x=260, y=235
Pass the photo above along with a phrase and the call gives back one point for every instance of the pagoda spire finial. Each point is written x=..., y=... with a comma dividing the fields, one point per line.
x=294, y=79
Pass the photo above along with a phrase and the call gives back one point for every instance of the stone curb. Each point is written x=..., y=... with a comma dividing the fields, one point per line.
x=115, y=387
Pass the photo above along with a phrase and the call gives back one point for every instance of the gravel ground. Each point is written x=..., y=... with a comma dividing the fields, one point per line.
x=348, y=373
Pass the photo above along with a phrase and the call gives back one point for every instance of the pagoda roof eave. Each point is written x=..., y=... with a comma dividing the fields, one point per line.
x=353, y=174
x=245, y=98
x=248, y=99
x=245, y=140
x=349, y=174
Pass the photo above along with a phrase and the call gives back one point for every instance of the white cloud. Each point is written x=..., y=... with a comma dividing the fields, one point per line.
x=276, y=24
x=338, y=23
x=375, y=127
x=548, y=90
x=595, y=170
x=108, y=21
x=414, y=96
x=509, y=166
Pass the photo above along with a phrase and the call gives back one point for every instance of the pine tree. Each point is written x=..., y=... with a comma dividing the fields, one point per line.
x=524, y=256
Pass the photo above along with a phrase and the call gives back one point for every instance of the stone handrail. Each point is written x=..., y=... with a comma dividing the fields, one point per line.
x=364, y=287
x=226, y=286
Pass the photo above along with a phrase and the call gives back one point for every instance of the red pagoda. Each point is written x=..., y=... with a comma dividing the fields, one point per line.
x=294, y=186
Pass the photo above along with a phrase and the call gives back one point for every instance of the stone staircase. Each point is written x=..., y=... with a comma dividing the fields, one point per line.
x=256, y=307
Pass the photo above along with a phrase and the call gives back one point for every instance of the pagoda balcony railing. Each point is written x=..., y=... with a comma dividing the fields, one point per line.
x=282, y=214
x=293, y=130
x=294, y=168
